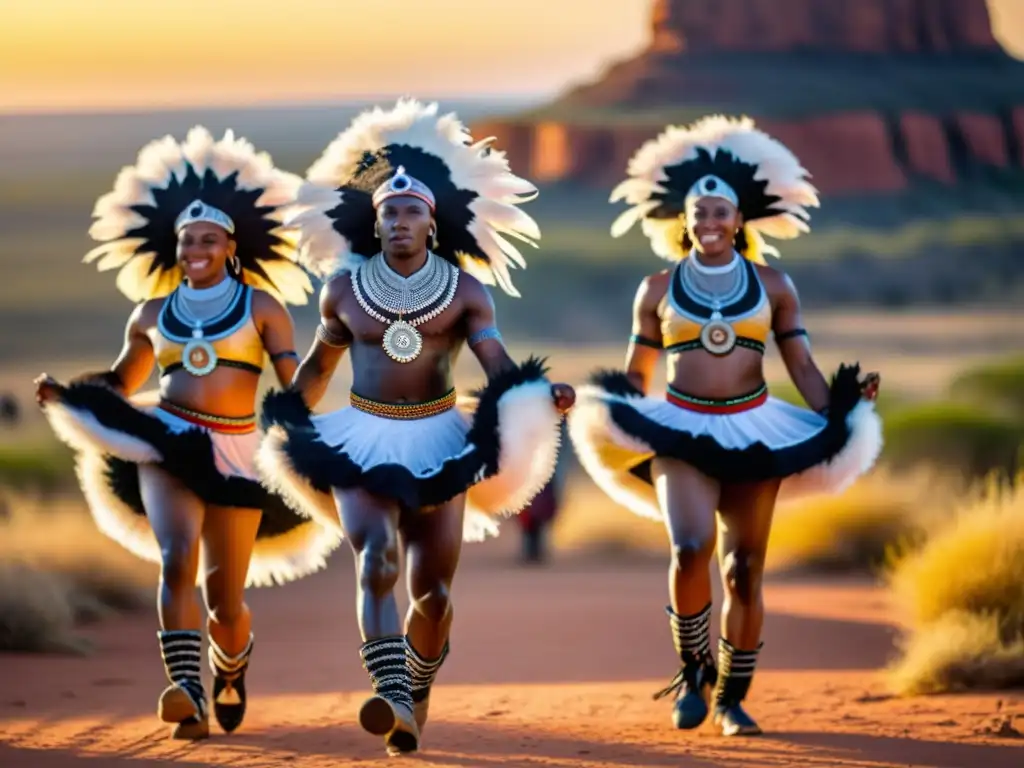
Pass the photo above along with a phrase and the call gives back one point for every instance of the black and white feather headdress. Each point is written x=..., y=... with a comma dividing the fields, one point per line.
x=136, y=220
x=476, y=194
x=768, y=182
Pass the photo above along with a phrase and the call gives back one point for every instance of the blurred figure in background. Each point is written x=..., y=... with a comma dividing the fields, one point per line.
x=196, y=232
x=10, y=410
x=536, y=520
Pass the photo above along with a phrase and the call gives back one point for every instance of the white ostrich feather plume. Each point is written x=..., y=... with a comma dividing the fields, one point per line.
x=474, y=166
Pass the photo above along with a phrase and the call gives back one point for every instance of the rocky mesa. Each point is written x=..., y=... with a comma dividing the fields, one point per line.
x=871, y=94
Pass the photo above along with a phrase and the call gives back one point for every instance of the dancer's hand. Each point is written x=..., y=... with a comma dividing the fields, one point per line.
x=46, y=388
x=564, y=396
x=869, y=387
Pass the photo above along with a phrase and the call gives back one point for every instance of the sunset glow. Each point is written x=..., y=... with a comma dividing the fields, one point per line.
x=70, y=54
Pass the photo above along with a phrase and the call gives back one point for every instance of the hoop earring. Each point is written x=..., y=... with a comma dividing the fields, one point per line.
x=433, y=237
x=235, y=265
x=376, y=231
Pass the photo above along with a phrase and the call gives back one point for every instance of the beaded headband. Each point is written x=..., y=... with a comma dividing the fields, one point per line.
x=197, y=211
x=403, y=185
x=712, y=186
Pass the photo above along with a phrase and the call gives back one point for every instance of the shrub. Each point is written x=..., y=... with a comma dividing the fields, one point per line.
x=42, y=466
x=959, y=437
x=997, y=386
x=963, y=600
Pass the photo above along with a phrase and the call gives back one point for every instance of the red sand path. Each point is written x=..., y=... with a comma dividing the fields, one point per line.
x=550, y=667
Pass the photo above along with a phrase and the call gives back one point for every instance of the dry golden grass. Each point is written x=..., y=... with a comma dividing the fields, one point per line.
x=58, y=571
x=960, y=651
x=974, y=562
x=962, y=594
x=858, y=529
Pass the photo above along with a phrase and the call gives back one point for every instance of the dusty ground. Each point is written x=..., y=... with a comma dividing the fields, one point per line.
x=550, y=667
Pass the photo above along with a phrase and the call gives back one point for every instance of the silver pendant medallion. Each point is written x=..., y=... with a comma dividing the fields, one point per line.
x=402, y=342
x=717, y=336
x=198, y=357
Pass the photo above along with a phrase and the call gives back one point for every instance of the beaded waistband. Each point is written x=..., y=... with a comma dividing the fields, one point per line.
x=229, y=425
x=709, y=405
x=404, y=410
x=741, y=341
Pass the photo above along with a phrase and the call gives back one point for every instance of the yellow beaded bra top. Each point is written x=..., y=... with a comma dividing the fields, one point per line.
x=230, y=339
x=690, y=320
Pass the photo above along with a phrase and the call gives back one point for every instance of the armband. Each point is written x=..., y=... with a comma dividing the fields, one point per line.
x=790, y=334
x=491, y=332
x=331, y=339
x=643, y=341
x=279, y=355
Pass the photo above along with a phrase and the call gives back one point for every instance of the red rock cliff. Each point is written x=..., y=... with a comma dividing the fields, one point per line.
x=870, y=94
x=869, y=26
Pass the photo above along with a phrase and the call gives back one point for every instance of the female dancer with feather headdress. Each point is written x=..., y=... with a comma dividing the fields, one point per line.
x=196, y=232
x=706, y=195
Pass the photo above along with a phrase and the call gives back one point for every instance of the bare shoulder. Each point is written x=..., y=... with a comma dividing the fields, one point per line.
x=778, y=284
x=652, y=289
x=266, y=302
x=146, y=313
x=471, y=292
x=267, y=308
x=334, y=292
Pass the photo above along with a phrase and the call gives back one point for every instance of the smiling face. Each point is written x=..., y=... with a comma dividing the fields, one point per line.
x=712, y=224
x=404, y=224
x=203, y=253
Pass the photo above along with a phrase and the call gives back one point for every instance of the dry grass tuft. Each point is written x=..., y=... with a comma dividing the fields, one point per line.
x=960, y=651
x=58, y=571
x=974, y=562
x=35, y=613
x=857, y=530
x=963, y=599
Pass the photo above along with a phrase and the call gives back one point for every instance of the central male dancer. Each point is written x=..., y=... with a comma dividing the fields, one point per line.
x=415, y=210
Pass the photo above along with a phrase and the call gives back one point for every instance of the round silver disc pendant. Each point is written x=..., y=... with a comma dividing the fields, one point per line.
x=402, y=342
x=198, y=357
x=718, y=337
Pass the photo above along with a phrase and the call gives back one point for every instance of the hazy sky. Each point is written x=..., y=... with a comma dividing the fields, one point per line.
x=61, y=54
